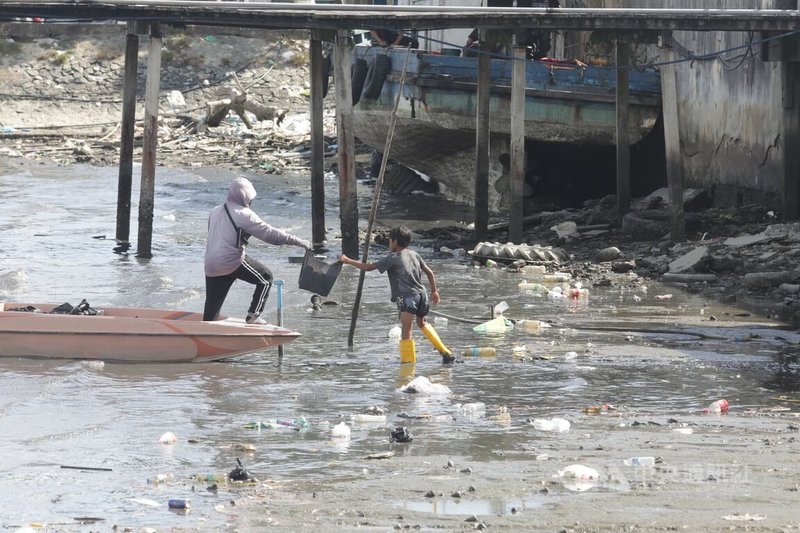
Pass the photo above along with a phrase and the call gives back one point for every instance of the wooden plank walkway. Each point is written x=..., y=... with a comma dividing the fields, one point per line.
x=269, y=15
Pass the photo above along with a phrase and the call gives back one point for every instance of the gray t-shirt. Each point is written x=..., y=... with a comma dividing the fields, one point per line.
x=405, y=272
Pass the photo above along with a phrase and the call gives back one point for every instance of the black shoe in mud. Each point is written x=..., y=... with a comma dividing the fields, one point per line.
x=448, y=358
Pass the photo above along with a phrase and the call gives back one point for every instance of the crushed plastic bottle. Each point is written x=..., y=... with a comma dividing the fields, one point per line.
x=640, y=461
x=536, y=288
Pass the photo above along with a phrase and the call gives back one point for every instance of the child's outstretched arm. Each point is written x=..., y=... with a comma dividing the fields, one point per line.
x=366, y=267
x=432, y=283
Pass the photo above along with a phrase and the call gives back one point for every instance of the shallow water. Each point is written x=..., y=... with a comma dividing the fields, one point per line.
x=57, y=246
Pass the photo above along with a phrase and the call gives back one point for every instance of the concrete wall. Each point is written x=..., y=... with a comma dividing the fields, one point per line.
x=730, y=112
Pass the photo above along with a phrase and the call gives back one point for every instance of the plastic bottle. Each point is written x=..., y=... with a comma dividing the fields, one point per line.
x=211, y=478
x=537, y=288
x=719, y=406
x=479, y=351
x=528, y=325
x=557, y=277
x=440, y=321
x=368, y=418
x=640, y=461
x=534, y=270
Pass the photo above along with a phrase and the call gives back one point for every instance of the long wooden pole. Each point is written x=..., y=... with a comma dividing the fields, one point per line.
x=623, y=134
x=375, y=197
x=125, y=178
x=517, y=128
x=482, y=146
x=672, y=141
x=317, y=144
x=348, y=204
x=149, y=145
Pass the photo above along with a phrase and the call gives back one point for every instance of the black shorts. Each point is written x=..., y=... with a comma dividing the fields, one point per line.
x=416, y=304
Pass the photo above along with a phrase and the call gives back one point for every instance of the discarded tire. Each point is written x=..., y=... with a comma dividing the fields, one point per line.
x=376, y=75
x=358, y=73
x=647, y=225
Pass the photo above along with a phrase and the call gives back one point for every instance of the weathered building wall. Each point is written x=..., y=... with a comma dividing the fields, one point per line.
x=730, y=110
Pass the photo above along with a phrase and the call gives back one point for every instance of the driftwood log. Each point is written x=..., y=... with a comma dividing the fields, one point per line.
x=237, y=101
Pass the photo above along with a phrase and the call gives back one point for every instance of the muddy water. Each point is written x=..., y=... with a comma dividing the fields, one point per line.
x=625, y=347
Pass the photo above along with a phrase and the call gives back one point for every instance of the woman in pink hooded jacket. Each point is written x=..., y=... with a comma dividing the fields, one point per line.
x=229, y=226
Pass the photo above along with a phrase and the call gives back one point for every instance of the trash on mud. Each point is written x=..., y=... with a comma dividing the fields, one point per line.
x=368, y=418
x=380, y=455
x=479, y=351
x=578, y=478
x=422, y=385
x=747, y=517
x=340, y=431
x=168, y=438
x=473, y=409
x=663, y=297
x=719, y=406
x=240, y=474
x=555, y=425
x=496, y=325
x=295, y=424
x=401, y=434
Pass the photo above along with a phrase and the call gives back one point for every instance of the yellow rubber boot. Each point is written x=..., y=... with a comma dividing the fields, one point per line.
x=432, y=336
x=408, y=351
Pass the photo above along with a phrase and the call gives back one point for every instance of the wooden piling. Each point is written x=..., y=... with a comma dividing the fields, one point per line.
x=672, y=139
x=623, y=136
x=482, y=139
x=348, y=205
x=517, y=128
x=149, y=144
x=125, y=178
x=791, y=139
x=317, y=143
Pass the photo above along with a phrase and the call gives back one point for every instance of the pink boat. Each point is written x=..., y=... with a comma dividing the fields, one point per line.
x=130, y=334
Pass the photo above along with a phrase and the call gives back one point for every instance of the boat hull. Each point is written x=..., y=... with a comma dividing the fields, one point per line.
x=131, y=335
x=435, y=124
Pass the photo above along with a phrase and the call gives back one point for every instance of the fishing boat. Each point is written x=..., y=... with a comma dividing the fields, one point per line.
x=566, y=102
x=130, y=335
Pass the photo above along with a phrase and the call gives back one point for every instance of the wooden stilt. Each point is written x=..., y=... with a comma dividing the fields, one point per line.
x=149, y=144
x=125, y=179
x=482, y=137
x=317, y=144
x=623, y=136
x=791, y=139
x=672, y=141
x=516, y=184
x=348, y=206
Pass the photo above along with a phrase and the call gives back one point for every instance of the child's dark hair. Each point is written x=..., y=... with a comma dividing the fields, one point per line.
x=401, y=235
